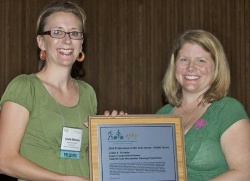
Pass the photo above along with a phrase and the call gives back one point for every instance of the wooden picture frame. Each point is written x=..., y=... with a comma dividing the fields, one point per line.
x=136, y=146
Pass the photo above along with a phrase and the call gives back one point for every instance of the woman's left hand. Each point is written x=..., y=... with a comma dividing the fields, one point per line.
x=115, y=113
x=107, y=113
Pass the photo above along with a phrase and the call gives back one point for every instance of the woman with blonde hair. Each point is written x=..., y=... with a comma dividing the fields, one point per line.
x=217, y=127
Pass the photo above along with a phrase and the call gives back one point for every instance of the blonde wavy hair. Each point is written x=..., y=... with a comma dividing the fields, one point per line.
x=221, y=80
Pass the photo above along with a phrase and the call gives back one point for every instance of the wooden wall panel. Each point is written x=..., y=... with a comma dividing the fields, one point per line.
x=128, y=44
x=17, y=39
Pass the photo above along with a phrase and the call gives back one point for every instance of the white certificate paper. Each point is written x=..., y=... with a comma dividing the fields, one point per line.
x=137, y=152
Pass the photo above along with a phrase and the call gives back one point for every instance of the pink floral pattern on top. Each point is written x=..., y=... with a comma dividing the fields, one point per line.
x=200, y=123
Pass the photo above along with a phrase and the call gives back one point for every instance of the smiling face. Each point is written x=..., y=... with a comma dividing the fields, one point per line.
x=194, y=69
x=61, y=51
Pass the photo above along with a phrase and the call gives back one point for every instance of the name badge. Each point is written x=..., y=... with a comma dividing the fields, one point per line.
x=71, y=143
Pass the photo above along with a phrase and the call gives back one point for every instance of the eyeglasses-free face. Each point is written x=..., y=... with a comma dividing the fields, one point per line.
x=59, y=34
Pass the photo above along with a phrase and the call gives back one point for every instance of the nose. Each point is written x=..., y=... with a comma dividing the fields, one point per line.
x=67, y=38
x=191, y=66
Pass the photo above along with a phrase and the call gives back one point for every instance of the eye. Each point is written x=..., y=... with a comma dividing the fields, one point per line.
x=201, y=60
x=183, y=59
x=57, y=32
x=75, y=33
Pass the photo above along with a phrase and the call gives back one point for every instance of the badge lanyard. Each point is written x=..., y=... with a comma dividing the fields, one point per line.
x=71, y=137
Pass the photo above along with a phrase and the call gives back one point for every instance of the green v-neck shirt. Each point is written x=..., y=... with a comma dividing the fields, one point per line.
x=204, y=156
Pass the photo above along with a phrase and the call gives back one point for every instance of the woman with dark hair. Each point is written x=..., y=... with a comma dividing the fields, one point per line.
x=42, y=133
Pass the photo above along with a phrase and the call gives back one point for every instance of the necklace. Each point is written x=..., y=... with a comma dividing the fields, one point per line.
x=187, y=113
x=62, y=117
x=191, y=117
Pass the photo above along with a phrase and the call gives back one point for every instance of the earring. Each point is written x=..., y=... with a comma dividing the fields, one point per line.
x=80, y=57
x=42, y=55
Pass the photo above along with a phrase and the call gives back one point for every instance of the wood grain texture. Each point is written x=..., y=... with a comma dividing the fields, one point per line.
x=125, y=123
x=128, y=44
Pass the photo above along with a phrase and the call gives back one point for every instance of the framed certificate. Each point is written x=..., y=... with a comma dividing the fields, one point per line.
x=136, y=147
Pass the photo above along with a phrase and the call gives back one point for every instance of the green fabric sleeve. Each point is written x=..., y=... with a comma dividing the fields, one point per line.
x=21, y=91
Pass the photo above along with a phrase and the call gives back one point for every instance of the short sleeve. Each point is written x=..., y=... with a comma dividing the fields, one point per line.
x=21, y=91
x=230, y=111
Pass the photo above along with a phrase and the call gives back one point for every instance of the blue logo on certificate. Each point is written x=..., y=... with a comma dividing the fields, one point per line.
x=116, y=135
